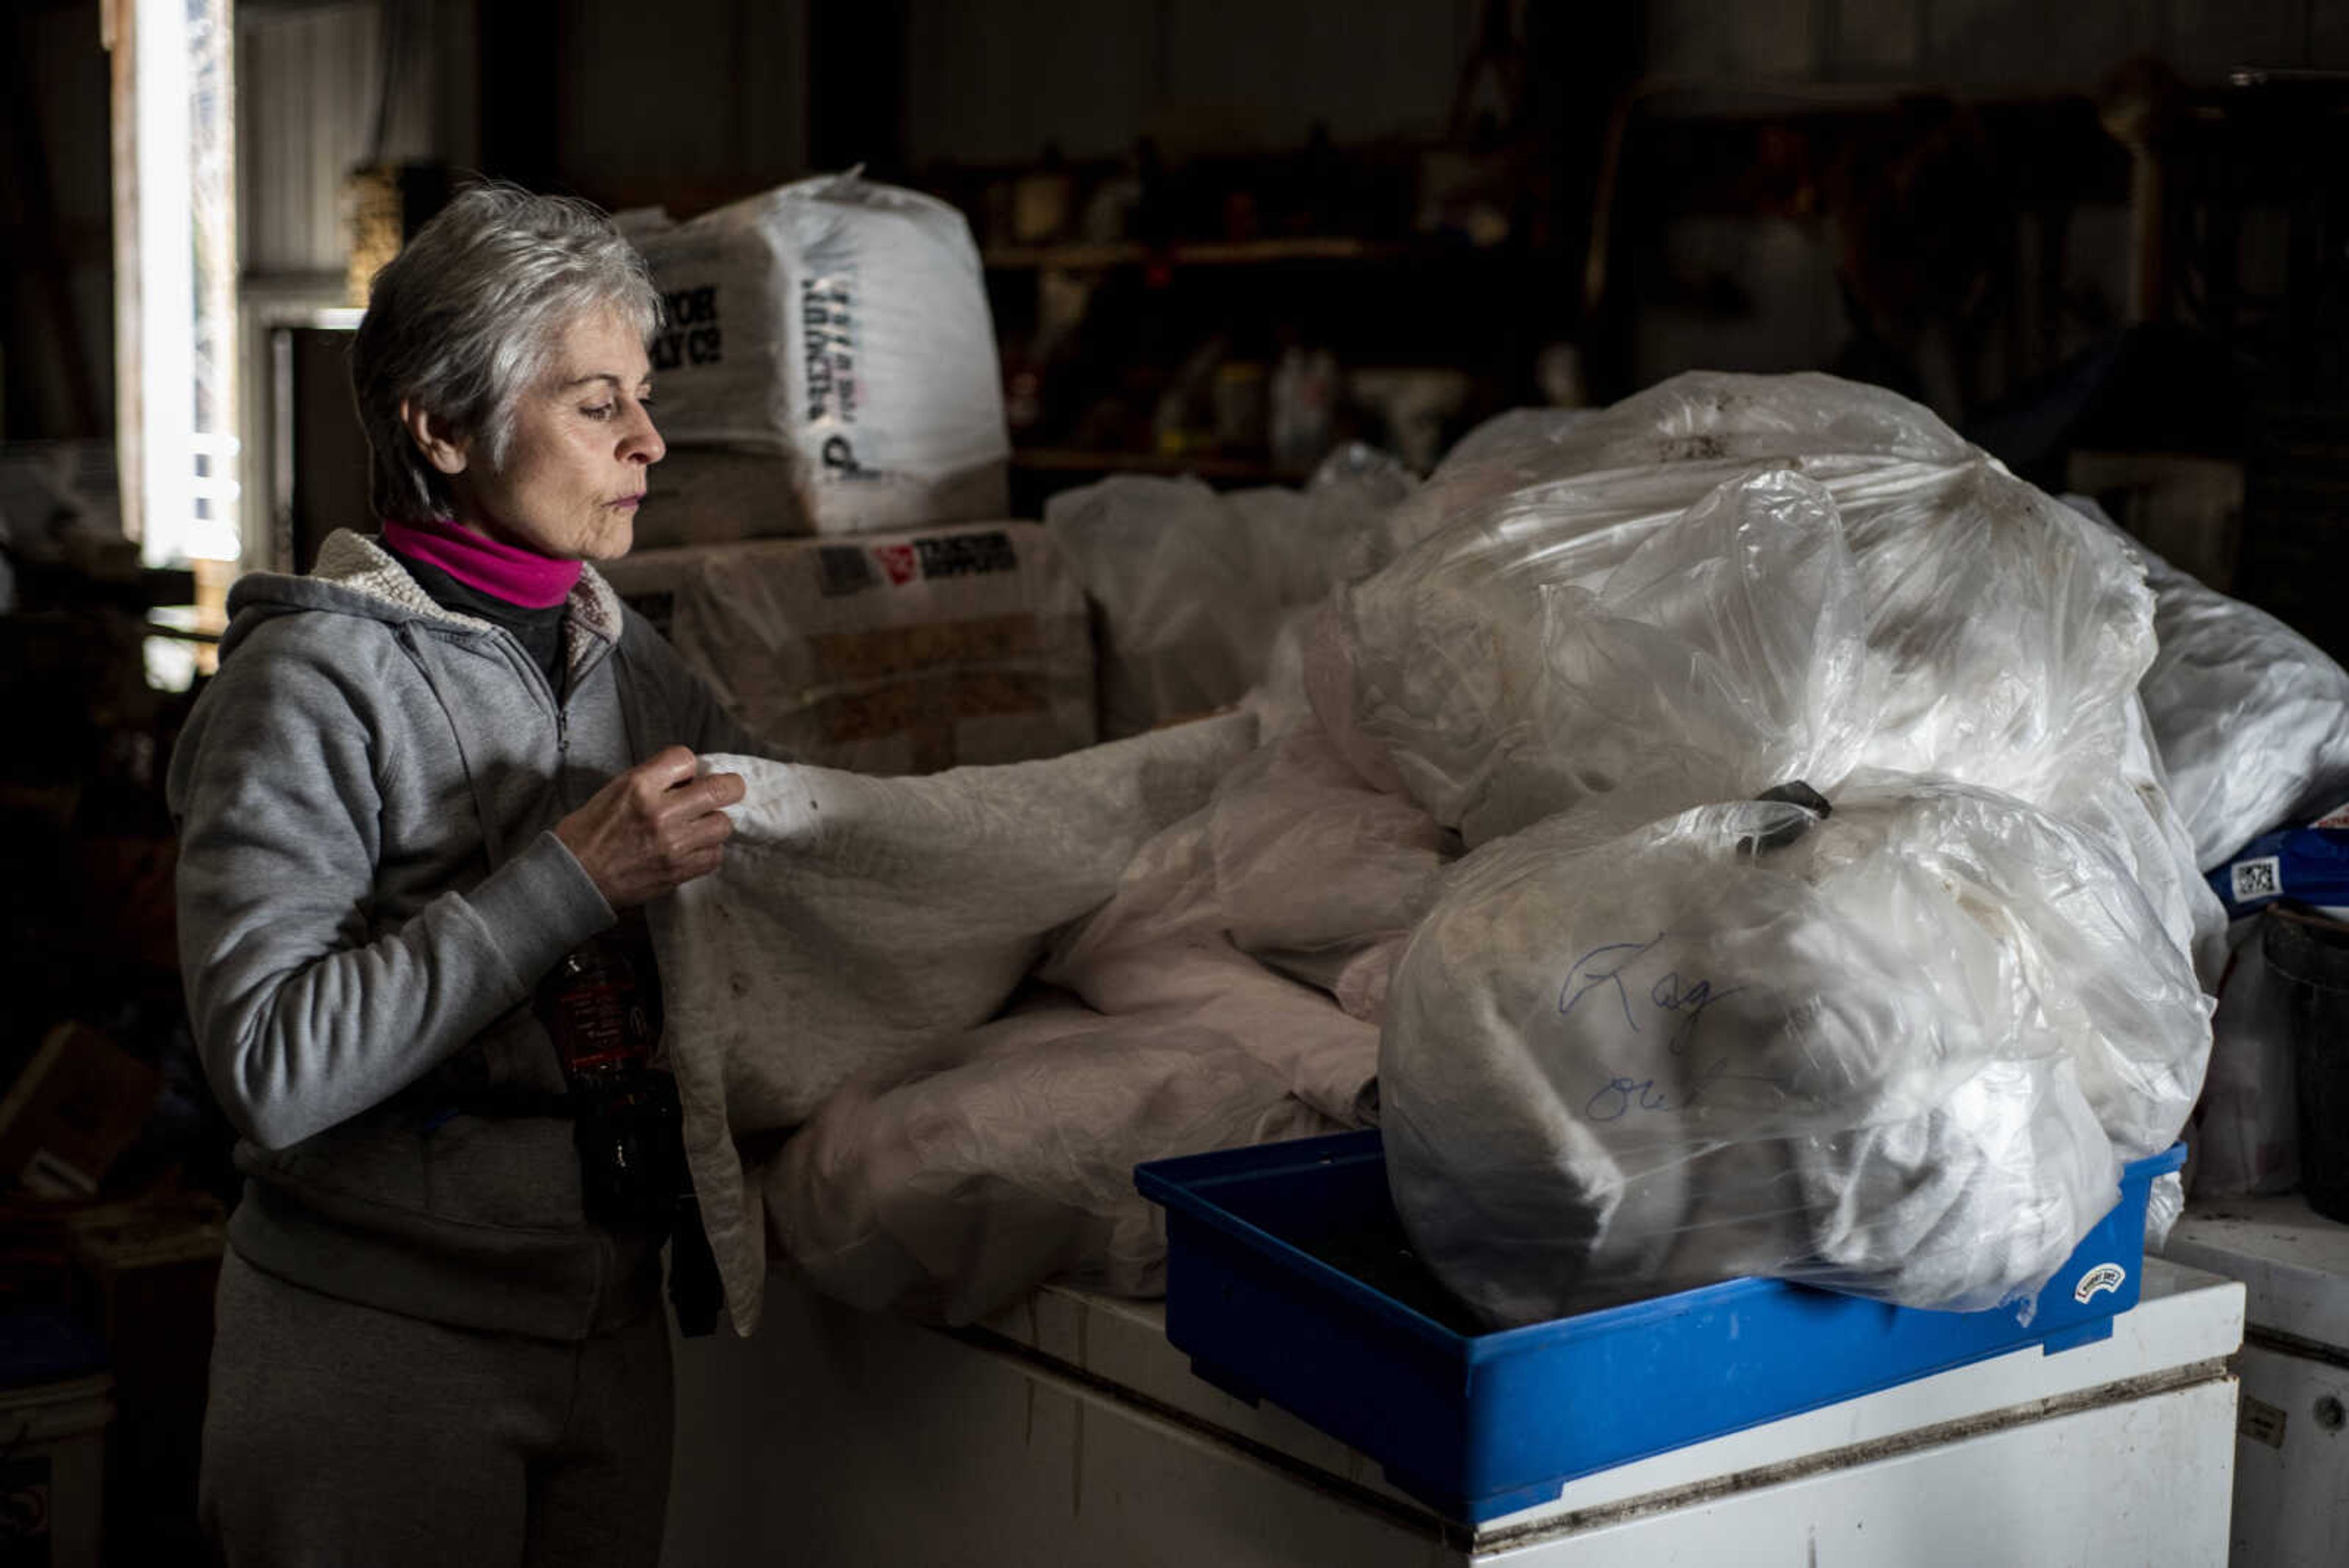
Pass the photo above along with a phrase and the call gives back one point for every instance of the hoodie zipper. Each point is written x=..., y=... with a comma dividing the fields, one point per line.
x=604, y=1246
x=516, y=653
x=562, y=754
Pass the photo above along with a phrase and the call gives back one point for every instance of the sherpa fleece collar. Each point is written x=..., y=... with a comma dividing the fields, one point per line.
x=357, y=563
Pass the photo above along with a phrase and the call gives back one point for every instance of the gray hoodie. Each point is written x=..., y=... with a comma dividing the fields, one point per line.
x=369, y=891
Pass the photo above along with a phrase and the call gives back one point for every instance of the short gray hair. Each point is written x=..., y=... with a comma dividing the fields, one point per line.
x=468, y=315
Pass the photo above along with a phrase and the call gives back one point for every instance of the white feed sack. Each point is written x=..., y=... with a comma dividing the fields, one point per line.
x=1240, y=906
x=888, y=653
x=1226, y=994
x=843, y=325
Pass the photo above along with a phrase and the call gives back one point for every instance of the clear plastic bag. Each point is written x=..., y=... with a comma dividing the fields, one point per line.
x=1971, y=585
x=2165, y=1202
x=1901, y=1050
x=1192, y=584
x=2005, y=635
x=2252, y=718
x=2010, y=636
x=1706, y=426
x=1272, y=916
x=1185, y=620
x=1720, y=655
x=1308, y=540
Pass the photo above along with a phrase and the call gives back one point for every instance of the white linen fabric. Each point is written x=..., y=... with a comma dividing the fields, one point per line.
x=857, y=921
x=955, y=1190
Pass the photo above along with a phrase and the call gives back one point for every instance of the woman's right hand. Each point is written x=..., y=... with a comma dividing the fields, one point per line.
x=656, y=826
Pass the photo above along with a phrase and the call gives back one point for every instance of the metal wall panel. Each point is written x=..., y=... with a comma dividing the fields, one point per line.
x=705, y=102
x=991, y=80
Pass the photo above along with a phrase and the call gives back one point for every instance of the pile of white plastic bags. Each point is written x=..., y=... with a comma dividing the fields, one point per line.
x=1719, y=834
x=1894, y=1031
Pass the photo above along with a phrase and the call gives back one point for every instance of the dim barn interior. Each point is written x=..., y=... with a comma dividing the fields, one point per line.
x=1448, y=782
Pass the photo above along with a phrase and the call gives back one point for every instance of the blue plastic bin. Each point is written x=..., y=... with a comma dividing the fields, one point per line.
x=1289, y=1279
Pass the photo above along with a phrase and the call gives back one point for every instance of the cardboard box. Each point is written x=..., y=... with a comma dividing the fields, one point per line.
x=709, y=495
x=715, y=495
x=886, y=653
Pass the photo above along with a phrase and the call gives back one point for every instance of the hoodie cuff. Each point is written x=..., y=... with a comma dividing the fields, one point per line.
x=539, y=906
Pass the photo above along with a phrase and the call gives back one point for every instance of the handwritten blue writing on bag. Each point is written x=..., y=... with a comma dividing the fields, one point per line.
x=1670, y=1003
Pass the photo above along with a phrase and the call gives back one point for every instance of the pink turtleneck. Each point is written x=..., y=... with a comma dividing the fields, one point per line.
x=509, y=571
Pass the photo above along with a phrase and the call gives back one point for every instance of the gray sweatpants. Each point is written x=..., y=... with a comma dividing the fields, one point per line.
x=339, y=1434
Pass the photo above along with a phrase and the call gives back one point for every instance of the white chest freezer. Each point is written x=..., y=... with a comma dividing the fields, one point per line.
x=2292, y=1461
x=1069, y=1430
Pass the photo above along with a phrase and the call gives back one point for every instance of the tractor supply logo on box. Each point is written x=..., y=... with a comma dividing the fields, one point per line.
x=2103, y=1277
x=2261, y=878
x=691, y=336
x=967, y=555
x=845, y=569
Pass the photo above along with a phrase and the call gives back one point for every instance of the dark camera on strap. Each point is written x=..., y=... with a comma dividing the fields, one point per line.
x=601, y=1006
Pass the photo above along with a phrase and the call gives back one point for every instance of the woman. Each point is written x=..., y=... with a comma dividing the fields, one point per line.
x=442, y=767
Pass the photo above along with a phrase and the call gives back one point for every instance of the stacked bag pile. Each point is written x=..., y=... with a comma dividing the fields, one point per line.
x=1894, y=1024
x=1717, y=834
x=828, y=366
x=825, y=541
